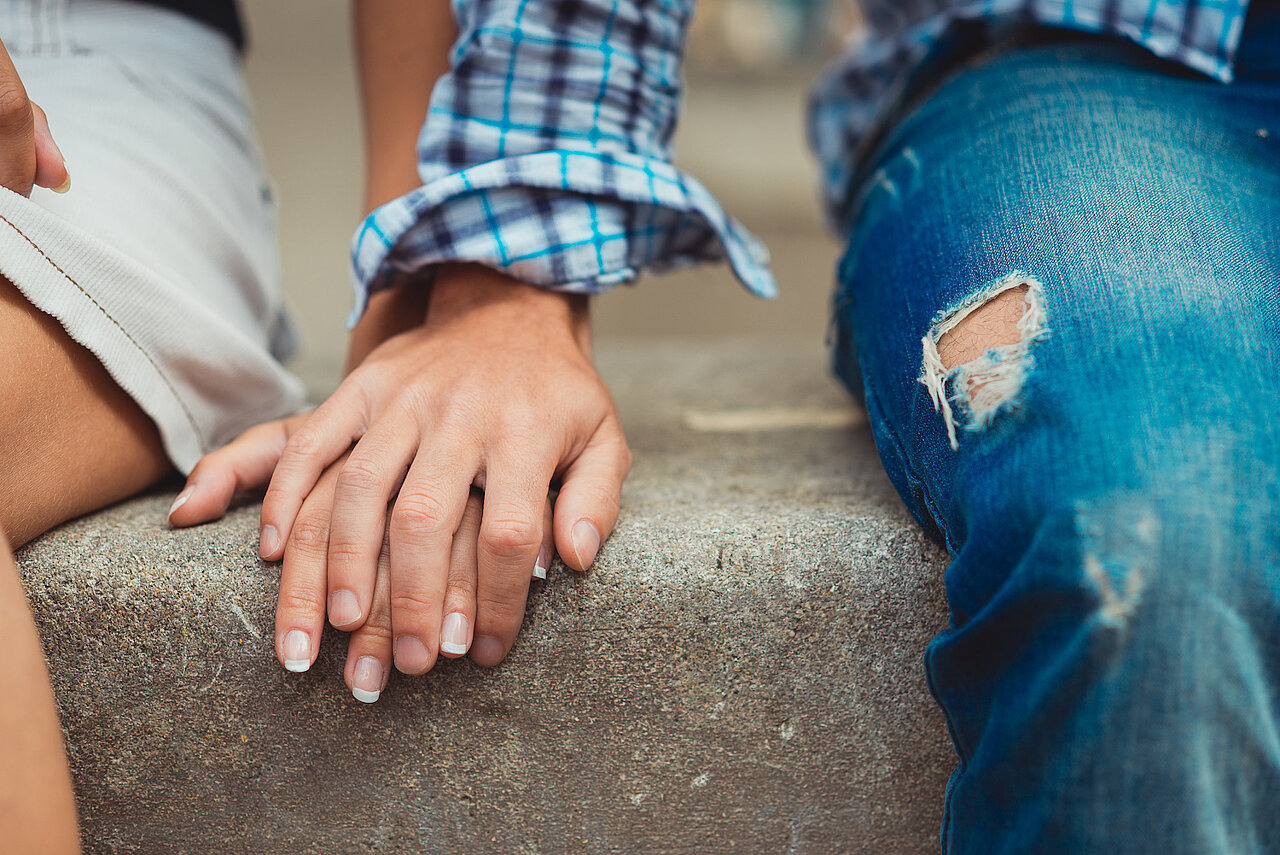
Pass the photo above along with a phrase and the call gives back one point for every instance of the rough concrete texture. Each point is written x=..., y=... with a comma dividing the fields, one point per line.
x=740, y=673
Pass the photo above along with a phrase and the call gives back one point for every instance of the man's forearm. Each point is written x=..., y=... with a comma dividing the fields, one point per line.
x=403, y=48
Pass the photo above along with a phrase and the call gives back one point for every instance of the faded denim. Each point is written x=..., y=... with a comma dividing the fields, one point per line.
x=1111, y=674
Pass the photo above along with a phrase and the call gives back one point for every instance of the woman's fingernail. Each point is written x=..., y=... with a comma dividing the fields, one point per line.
x=366, y=680
x=542, y=564
x=344, y=608
x=268, y=541
x=297, y=651
x=182, y=498
x=65, y=185
x=586, y=543
x=454, y=633
x=411, y=655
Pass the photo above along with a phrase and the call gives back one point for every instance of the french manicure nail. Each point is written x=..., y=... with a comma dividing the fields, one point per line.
x=65, y=185
x=543, y=562
x=182, y=498
x=366, y=680
x=586, y=543
x=344, y=608
x=411, y=655
x=268, y=541
x=454, y=633
x=297, y=651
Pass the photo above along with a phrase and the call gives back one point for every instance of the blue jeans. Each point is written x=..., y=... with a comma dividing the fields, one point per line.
x=1111, y=672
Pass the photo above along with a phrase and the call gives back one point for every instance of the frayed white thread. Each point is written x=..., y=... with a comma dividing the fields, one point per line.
x=881, y=179
x=993, y=379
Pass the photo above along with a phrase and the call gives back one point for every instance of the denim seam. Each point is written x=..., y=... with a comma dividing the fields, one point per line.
x=873, y=401
x=952, y=784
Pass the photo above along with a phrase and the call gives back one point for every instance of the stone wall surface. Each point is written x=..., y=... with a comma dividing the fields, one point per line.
x=740, y=673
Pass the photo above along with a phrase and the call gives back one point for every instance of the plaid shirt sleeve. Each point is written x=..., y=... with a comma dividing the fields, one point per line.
x=850, y=101
x=546, y=153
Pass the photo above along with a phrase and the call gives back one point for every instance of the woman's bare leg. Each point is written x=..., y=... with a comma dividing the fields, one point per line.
x=72, y=440
x=37, y=810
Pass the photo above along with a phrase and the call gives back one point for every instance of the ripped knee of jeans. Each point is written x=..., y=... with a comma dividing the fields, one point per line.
x=981, y=350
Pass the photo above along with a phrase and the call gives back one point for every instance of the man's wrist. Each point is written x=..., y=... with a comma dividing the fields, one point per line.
x=388, y=313
x=463, y=289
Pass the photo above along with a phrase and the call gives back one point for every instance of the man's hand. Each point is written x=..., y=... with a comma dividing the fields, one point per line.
x=28, y=154
x=496, y=390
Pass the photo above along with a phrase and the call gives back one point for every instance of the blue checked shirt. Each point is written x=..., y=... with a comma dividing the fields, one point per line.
x=546, y=151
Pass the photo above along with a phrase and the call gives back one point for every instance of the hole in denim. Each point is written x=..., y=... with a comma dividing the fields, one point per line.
x=981, y=349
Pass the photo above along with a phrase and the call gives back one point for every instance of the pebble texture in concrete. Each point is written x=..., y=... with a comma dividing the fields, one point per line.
x=740, y=673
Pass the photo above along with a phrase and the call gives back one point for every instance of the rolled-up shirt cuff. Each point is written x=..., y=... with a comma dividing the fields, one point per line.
x=578, y=221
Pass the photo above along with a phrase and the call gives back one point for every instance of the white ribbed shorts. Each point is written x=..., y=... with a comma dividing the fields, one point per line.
x=162, y=258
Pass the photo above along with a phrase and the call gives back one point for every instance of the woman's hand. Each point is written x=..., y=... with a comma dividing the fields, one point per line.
x=28, y=154
x=369, y=653
x=495, y=390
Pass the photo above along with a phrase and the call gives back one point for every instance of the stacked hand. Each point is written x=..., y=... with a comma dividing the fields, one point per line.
x=412, y=507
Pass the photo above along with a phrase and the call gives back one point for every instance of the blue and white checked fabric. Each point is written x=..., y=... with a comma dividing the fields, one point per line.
x=546, y=151
x=853, y=95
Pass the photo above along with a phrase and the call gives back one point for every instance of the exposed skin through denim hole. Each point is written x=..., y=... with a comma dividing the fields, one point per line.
x=982, y=348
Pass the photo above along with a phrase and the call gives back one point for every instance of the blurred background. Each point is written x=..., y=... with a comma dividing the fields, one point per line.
x=750, y=63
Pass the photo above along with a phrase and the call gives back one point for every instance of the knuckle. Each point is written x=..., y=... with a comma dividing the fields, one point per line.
x=611, y=500
x=305, y=442
x=462, y=588
x=500, y=612
x=409, y=403
x=15, y=106
x=601, y=498
x=304, y=604
x=410, y=603
x=510, y=536
x=376, y=630
x=419, y=512
x=346, y=551
x=310, y=534
x=360, y=478
x=462, y=585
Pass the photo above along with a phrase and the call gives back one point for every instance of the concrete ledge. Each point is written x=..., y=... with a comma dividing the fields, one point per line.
x=741, y=672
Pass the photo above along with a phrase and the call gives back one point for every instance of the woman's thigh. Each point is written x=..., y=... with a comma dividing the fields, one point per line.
x=73, y=441
x=161, y=259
